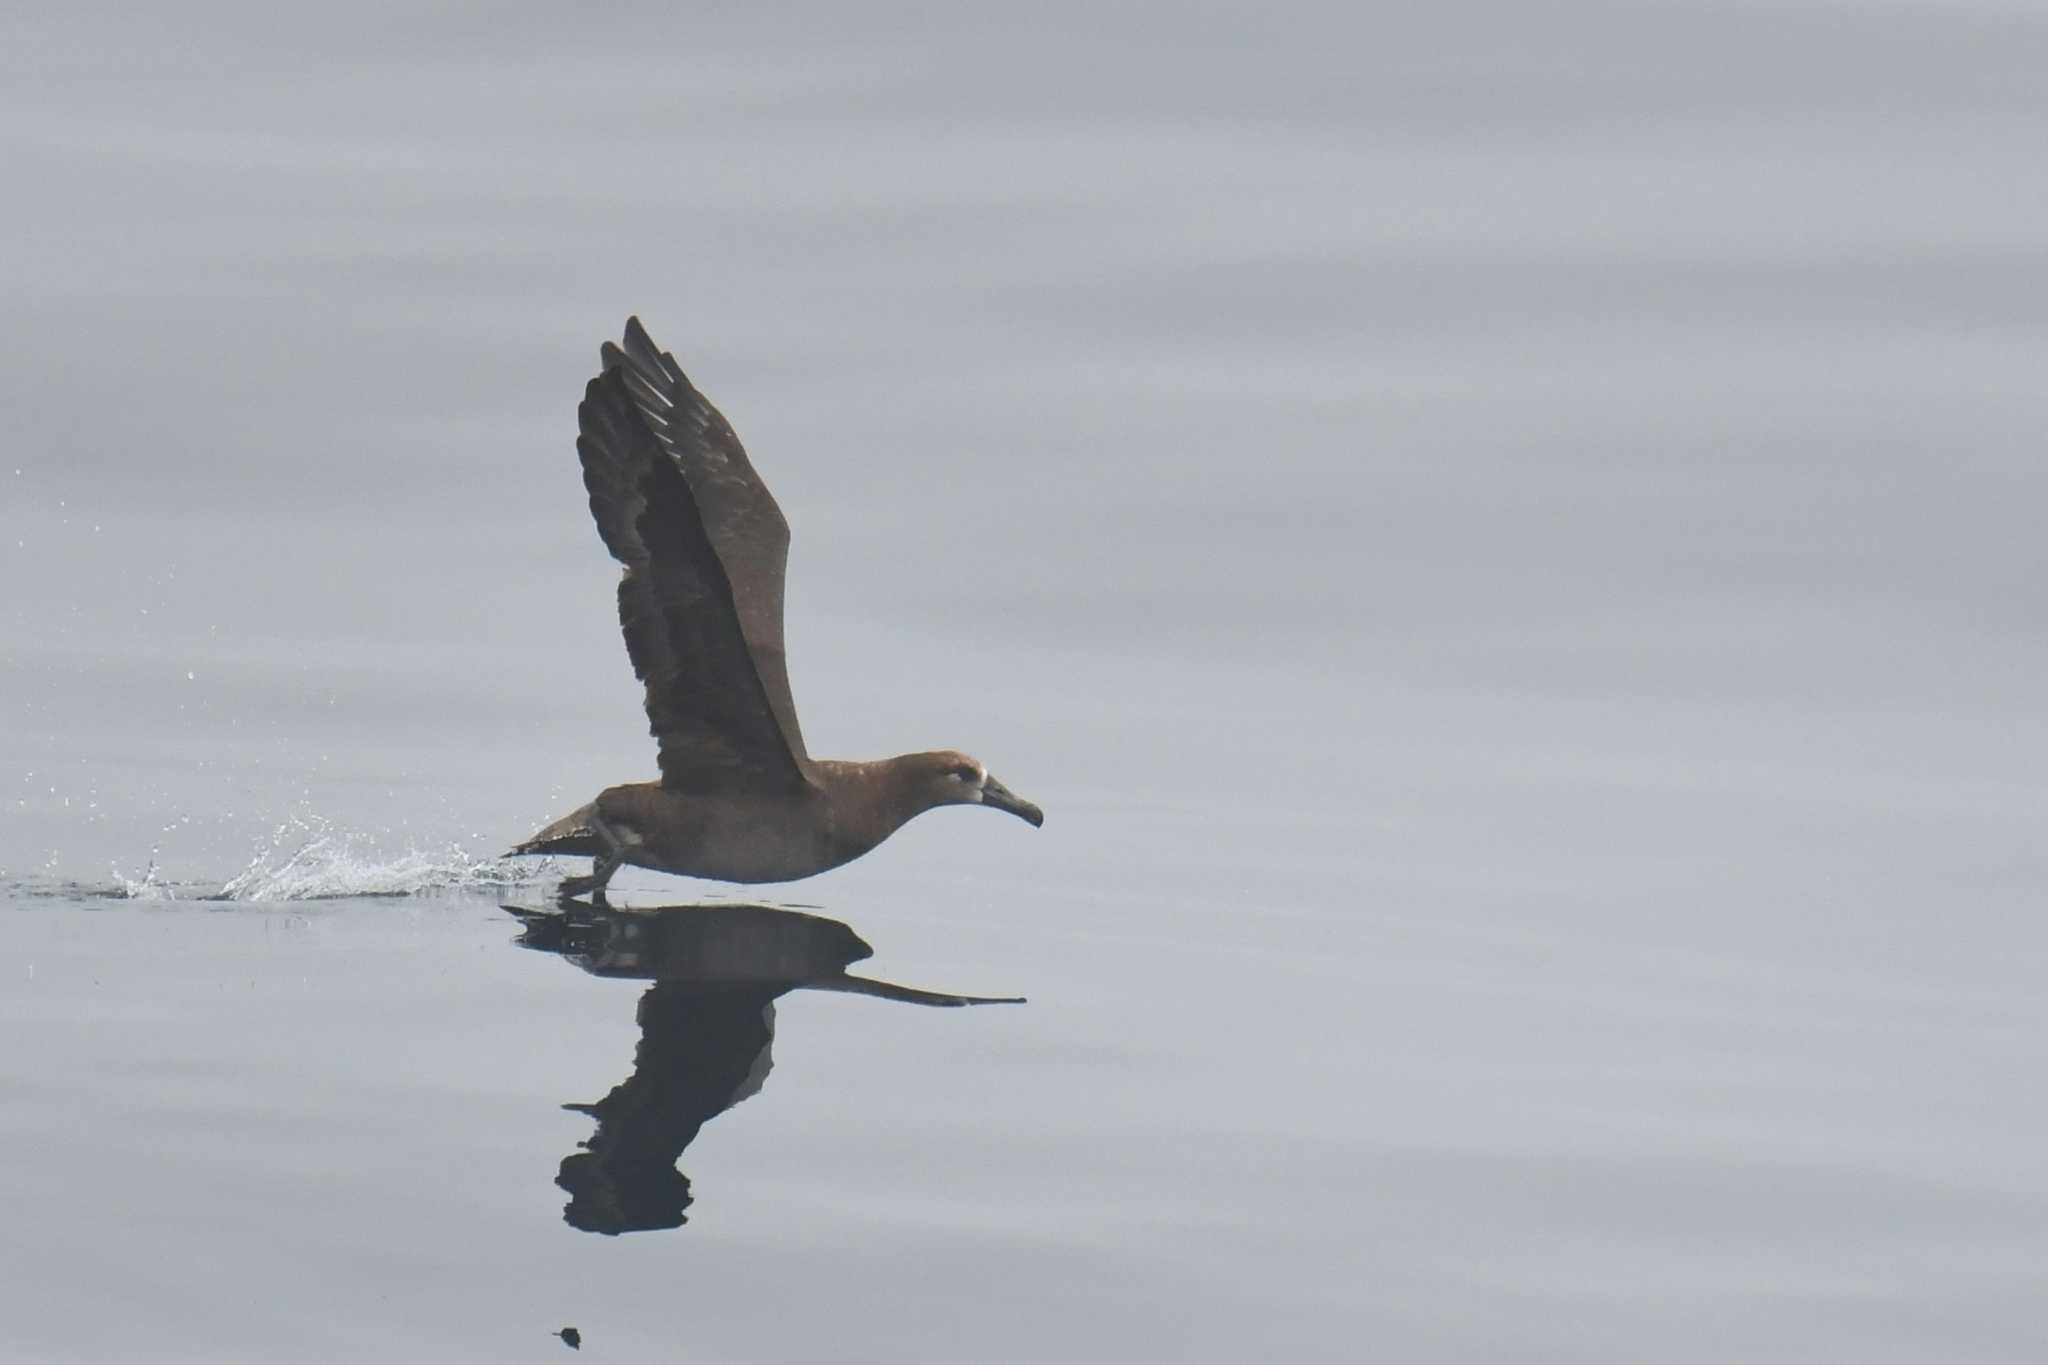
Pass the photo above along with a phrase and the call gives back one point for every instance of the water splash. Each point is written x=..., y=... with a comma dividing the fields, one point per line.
x=152, y=886
x=308, y=859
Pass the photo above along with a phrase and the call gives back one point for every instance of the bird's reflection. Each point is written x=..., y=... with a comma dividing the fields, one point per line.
x=706, y=1030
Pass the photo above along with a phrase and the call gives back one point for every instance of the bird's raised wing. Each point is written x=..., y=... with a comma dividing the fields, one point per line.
x=704, y=545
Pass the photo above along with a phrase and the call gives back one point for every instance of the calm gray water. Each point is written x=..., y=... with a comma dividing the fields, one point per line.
x=1505, y=538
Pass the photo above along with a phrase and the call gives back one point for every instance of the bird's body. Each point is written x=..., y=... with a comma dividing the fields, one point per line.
x=740, y=835
x=678, y=503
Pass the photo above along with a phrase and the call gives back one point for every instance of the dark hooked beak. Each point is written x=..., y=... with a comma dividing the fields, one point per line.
x=994, y=793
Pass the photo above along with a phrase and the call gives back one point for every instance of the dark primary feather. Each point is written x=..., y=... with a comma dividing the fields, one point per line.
x=718, y=718
x=747, y=530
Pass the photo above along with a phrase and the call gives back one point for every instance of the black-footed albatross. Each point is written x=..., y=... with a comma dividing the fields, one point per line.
x=679, y=504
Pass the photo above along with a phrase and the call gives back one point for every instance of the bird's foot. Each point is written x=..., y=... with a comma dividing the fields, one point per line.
x=572, y=887
x=600, y=873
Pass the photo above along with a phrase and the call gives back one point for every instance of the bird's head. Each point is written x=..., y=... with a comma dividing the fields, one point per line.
x=948, y=777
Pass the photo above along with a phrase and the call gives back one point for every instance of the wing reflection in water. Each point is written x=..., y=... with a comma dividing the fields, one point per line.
x=706, y=1030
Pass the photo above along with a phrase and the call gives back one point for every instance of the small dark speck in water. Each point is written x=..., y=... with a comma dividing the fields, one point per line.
x=571, y=1338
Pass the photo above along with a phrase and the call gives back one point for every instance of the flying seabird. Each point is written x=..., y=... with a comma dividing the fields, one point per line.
x=704, y=547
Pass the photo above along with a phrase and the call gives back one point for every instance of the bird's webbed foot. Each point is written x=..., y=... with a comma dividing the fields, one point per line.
x=572, y=887
x=600, y=873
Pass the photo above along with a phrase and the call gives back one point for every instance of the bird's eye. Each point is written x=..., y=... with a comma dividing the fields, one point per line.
x=962, y=774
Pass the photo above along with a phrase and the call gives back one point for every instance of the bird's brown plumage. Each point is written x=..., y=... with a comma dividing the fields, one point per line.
x=678, y=503
x=704, y=546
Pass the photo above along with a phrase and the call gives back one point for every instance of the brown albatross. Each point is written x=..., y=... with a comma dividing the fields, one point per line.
x=679, y=504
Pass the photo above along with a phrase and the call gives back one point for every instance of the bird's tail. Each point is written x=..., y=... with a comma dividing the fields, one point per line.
x=571, y=836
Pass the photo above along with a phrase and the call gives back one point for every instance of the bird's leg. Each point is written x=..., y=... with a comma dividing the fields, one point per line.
x=593, y=885
x=600, y=870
